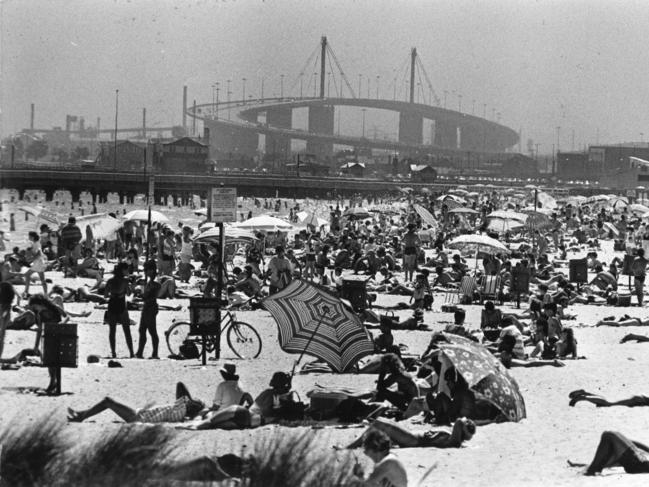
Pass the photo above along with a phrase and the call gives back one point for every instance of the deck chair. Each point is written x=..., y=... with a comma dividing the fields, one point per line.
x=467, y=287
x=490, y=288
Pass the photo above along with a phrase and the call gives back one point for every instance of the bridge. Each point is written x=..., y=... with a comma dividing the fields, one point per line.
x=453, y=132
x=128, y=185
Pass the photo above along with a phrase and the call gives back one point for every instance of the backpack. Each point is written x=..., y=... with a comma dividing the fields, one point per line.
x=189, y=350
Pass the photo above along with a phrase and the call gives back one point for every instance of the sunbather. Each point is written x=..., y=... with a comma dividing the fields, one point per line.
x=602, y=402
x=183, y=407
x=614, y=450
x=463, y=430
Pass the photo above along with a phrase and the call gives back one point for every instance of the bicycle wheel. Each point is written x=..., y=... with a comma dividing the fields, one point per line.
x=244, y=340
x=176, y=335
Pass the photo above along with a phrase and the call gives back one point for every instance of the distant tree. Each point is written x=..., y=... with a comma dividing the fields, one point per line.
x=60, y=154
x=80, y=153
x=37, y=149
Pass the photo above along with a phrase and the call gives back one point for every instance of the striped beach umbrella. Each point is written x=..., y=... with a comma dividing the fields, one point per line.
x=313, y=321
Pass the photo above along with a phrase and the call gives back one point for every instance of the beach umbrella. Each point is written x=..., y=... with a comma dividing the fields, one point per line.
x=426, y=216
x=265, y=223
x=211, y=235
x=502, y=225
x=357, y=212
x=460, y=191
x=102, y=225
x=537, y=219
x=546, y=200
x=42, y=214
x=477, y=243
x=508, y=215
x=405, y=190
x=462, y=209
x=597, y=197
x=143, y=216
x=611, y=228
x=484, y=374
x=638, y=208
x=311, y=320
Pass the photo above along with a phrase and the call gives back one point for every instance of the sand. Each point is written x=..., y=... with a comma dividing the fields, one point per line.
x=529, y=453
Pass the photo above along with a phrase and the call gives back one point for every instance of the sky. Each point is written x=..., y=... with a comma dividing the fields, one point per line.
x=577, y=65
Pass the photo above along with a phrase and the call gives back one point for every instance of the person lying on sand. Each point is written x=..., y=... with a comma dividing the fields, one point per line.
x=184, y=407
x=625, y=320
x=631, y=337
x=463, y=430
x=615, y=450
x=602, y=402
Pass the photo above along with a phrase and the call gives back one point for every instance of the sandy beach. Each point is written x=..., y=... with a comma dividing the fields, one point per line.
x=532, y=452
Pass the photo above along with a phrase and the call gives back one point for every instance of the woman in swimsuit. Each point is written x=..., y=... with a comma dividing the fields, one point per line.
x=116, y=290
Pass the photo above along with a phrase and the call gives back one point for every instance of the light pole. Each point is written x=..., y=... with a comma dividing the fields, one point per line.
x=445, y=95
x=537, y=151
x=484, y=110
x=459, y=103
x=315, y=77
x=301, y=78
x=244, y=90
x=281, y=86
x=217, y=99
x=229, y=93
x=360, y=77
x=115, y=143
x=363, y=125
x=328, y=83
x=262, y=89
x=378, y=77
x=368, y=87
x=558, y=138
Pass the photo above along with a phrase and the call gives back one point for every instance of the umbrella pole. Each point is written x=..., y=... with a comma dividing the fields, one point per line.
x=306, y=346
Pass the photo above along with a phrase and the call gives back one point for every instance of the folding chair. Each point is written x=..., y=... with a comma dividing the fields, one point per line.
x=468, y=286
x=490, y=288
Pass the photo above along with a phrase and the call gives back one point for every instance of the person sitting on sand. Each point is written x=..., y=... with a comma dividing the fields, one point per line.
x=230, y=392
x=491, y=316
x=614, y=450
x=392, y=371
x=463, y=430
x=265, y=409
x=183, y=407
x=388, y=469
x=601, y=402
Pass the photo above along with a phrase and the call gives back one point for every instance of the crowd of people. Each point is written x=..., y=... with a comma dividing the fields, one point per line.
x=401, y=250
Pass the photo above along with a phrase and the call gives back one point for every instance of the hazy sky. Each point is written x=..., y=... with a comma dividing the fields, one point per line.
x=580, y=65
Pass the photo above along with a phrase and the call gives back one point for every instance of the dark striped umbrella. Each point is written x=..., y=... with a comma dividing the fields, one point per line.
x=312, y=320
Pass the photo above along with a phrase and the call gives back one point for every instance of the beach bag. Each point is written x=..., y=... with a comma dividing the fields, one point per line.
x=323, y=404
x=189, y=350
x=623, y=300
x=389, y=320
x=292, y=410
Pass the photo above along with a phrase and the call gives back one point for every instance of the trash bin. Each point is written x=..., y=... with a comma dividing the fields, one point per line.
x=60, y=342
x=355, y=291
x=578, y=271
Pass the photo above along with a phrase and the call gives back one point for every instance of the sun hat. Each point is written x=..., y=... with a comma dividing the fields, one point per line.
x=229, y=371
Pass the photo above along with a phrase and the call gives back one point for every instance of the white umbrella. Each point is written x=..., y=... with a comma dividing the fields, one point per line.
x=42, y=214
x=502, y=225
x=477, y=243
x=508, y=215
x=102, y=225
x=264, y=223
x=143, y=216
x=462, y=209
x=638, y=208
x=231, y=233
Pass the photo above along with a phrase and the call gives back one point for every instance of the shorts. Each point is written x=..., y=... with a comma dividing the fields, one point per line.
x=409, y=261
x=634, y=461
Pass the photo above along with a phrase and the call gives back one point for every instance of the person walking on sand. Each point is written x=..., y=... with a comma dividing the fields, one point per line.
x=411, y=244
x=149, y=310
x=639, y=269
x=37, y=266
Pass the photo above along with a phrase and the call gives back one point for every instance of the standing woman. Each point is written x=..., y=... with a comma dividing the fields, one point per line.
x=38, y=264
x=149, y=310
x=117, y=287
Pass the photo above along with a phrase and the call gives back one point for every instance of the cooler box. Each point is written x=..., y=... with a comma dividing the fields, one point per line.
x=578, y=271
x=60, y=345
x=355, y=291
x=204, y=316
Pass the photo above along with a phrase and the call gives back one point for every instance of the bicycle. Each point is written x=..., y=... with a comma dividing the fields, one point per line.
x=242, y=338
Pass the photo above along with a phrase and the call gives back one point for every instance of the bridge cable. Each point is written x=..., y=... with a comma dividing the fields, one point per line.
x=342, y=73
x=430, y=85
x=334, y=79
x=306, y=64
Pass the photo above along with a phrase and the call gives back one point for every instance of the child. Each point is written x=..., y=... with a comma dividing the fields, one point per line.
x=422, y=294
